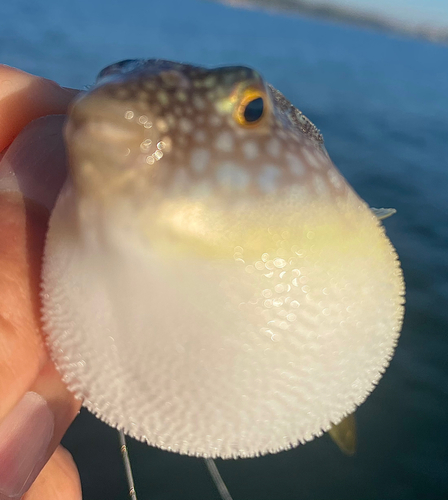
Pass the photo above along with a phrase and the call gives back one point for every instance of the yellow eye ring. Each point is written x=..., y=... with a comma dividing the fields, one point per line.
x=251, y=108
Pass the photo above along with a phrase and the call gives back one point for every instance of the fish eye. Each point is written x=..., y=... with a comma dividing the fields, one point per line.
x=251, y=108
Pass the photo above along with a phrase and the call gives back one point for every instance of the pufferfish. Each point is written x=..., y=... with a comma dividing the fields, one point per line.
x=212, y=285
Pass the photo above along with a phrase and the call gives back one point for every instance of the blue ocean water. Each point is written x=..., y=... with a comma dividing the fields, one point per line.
x=382, y=105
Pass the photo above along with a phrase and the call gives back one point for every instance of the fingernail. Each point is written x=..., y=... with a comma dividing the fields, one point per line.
x=34, y=164
x=25, y=434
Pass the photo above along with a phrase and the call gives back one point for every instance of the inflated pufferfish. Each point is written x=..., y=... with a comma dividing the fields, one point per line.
x=212, y=284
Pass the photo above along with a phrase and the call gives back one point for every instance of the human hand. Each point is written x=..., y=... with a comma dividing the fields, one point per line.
x=35, y=406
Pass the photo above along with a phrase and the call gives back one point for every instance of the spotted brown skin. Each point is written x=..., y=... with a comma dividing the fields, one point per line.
x=185, y=134
x=212, y=284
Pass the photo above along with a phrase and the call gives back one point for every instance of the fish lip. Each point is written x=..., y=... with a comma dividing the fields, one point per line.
x=100, y=141
x=100, y=130
x=103, y=116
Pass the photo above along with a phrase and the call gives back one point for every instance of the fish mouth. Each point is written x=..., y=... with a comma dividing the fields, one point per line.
x=107, y=140
x=102, y=121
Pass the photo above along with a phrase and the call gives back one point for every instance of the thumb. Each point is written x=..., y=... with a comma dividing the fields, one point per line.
x=35, y=406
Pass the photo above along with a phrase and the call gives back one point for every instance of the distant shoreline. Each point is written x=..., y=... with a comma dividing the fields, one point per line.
x=343, y=14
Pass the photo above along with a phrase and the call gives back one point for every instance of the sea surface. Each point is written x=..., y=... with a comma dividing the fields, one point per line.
x=382, y=105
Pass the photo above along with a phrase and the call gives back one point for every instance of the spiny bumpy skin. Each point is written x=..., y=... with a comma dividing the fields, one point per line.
x=212, y=284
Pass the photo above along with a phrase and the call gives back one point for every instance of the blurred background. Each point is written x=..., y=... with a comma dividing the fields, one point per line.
x=370, y=75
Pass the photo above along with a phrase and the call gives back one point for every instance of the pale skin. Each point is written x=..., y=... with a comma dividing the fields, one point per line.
x=24, y=361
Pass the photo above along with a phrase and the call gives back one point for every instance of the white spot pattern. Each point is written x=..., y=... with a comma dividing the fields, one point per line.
x=225, y=142
x=185, y=125
x=200, y=158
x=312, y=158
x=250, y=150
x=232, y=176
x=295, y=165
x=268, y=178
x=273, y=147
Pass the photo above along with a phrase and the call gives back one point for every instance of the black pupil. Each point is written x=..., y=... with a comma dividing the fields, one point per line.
x=253, y=110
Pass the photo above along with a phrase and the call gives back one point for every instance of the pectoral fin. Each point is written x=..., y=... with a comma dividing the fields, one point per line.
x=344, y=435
x=383, y=213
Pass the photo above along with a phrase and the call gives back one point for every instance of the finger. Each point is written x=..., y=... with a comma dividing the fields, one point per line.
x=58, y=480
x=23, y=227
x=34, y=164
x=31, y=432
x=61, y=403
x=35, y=406
x=25, y=97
